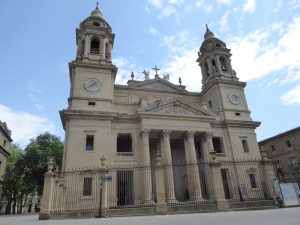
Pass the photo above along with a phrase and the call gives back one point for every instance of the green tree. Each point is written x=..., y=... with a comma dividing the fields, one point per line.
x=13, y=182
x=36, y=156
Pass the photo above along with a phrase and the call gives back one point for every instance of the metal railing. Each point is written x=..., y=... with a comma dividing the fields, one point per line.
x=134, y=186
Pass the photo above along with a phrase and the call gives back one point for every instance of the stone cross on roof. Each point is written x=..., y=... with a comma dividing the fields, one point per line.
x=156, y=69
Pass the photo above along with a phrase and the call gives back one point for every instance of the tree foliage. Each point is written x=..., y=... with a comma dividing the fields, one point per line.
x=25, y=169
x=36, y=156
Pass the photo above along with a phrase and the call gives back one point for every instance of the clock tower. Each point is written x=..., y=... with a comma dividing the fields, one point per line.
x=221, y=89
x=92, y=77
x=92, y=73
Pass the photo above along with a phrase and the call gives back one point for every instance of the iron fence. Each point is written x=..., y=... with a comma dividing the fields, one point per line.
x=134, y=186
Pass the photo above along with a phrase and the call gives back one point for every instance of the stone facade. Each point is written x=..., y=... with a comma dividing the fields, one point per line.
x=154, y=122
x=5, y=141
x=284, y=151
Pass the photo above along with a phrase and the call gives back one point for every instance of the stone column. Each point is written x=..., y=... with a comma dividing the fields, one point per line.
x=218, y=187
x=161, y=206
x=167, y=161
x=147, y=168
x=87, y=46
x=270, y=176
x=192, y=166
x=49, y=179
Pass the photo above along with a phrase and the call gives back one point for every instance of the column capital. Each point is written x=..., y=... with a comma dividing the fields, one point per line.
x=189, y=134
x=166, y=133
x=145, y=133
x=207, y=135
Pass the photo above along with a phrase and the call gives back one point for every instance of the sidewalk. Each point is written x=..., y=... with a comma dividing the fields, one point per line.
x=285, y=216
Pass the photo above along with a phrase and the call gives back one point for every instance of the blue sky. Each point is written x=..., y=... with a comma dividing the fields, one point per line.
x=38, y=40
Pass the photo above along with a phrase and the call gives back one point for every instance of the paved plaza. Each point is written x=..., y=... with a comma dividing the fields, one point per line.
x=286, y=216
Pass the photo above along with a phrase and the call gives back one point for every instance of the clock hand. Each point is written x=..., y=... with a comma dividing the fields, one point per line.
x=93, y=84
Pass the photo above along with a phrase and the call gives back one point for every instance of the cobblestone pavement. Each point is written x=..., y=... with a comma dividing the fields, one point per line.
x=286, y=216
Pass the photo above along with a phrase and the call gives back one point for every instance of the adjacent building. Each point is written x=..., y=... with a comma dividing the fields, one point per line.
x=5, y=140
x=284, y=151
x=151, y=143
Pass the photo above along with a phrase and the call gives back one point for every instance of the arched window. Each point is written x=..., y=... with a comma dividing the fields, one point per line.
x=213, y=62
x=95, y=45
x=206, y=70
x=223, y=63
x=96, y=23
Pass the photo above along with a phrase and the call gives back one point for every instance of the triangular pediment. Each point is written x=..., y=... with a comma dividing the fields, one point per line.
x=159, y=84
x=177, y=107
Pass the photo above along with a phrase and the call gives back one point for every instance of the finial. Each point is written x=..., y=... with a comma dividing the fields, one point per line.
x=207, y=29
x=97, y=3
x=132, y=75
x=180, y=81
x=156, y=69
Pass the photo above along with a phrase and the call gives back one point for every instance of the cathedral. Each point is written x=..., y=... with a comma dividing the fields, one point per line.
x=152, y=146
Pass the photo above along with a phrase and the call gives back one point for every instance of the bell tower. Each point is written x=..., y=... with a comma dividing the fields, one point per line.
x=92, y=74
x=94, y=39
x=214, y=59
x=221, y=89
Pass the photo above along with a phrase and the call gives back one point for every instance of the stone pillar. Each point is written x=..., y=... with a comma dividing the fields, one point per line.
x=147, y=169
x=218, y=187
x=49, y=179
x=270, y=176
x=87, y=46
x=210, y=146
x=161, y=205
x=192, y=166
x=167, y=161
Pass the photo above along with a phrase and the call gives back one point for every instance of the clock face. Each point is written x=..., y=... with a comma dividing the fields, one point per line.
x=234, y=99
x=92, y=85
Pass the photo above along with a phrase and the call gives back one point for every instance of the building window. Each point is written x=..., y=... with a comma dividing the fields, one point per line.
x=4, y=143
x=95, y=46
x=273, y=148
x=89, y=143
x=96, y=23
x=124, y=144
x=217, y=144
x=87, y=186
x=288, y=143
x=252, y=180
x=245, y=146
x=223, y=63
x=92, y=103
x=210, y=104
x=0, y=164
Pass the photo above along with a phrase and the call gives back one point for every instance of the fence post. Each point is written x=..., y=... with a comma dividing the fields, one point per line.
x=161, y=206
x=270, y=176
x=218, y=187
x=49, y=178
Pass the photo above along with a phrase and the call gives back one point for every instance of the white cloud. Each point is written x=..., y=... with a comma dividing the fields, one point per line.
x=125, y=67
x=23, y=125
x=156, y=3
x=167, y=11
x=249, y=6
x=185, y=66
x=292, y=96
x=225, y=2
x=200, y=4
x=224, y=21
x=39, y=107
x=257, y=54
x=153, y=31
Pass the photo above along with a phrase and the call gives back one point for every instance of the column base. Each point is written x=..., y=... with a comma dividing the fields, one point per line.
x=222, y=204
x=161, y=208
